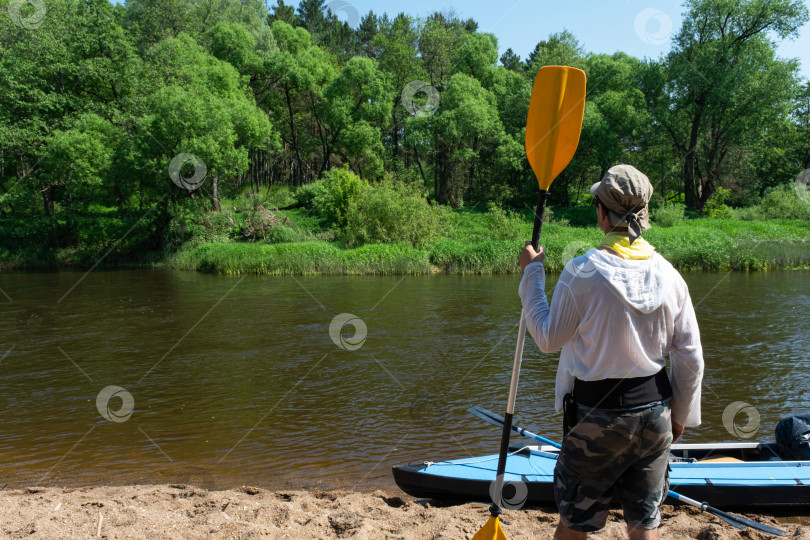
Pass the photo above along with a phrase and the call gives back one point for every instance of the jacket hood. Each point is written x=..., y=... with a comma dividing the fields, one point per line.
x=640, y=283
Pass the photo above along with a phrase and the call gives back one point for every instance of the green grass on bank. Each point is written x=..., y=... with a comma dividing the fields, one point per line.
x=395, y=231
x=302, y=258
x=700, y=244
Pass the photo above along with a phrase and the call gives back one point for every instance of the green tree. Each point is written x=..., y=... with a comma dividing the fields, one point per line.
x=370, y=26
x=781, y=151
x=199, y=107
x=283, y=12
x=398, y=58
x=297, y=75
x=468, y=130
x=511, y=61
x=76, y=164
x=78, y=61
x=232, y=43
x=355, y=107
x=724, y=82
x=153, y=20
x=312, y=17
x=476, y=56
x=438, y=38
x=560, y=49
x=620, y=108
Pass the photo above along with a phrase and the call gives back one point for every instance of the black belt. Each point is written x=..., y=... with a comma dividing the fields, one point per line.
x=623, y=393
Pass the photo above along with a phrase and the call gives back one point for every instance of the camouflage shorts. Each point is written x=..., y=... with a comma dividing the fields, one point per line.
x=614, y=454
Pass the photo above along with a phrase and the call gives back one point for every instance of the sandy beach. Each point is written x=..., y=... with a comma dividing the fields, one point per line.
x=184, y=511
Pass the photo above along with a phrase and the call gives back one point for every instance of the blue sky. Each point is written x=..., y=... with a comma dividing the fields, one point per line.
x=639, y=28
x=603, y=26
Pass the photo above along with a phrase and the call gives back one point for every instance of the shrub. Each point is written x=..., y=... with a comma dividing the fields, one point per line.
x=305, y=195
x=274, y=196
x=668, y=214
x=393, y=212
x=331, y=196
x=749, y=213
x=260, y=223
x=716, y=207
x=187, y=224
x=782, y=202
x=503, y=225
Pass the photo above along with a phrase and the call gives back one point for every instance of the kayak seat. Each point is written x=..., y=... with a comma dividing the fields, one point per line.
x=721, y=458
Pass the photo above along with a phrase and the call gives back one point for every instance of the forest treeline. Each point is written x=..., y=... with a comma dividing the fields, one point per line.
x=102, y=106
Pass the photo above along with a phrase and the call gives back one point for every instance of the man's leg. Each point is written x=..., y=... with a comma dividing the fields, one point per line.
x=642, y=534
x=643, y=486
x=564, y=533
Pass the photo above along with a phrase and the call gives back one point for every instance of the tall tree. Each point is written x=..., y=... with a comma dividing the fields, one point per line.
x=398, y=58
x=312, y=17
x=724, y=82
x=78, y=61
x=468, y=133
x=200, y=107
x=283, y=12
x=560, y=49
x=355, y=107
x=510, y=60
x=370, y=26
x=476, y=56
x=802, y=118
x=438, y=38
x=297, y=75
x=77, y=162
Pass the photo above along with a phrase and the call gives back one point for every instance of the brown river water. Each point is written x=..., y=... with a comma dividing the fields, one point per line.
x=162, y=376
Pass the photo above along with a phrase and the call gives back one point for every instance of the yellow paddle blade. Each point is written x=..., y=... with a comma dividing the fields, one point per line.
x=491, y=531
x=555, y=120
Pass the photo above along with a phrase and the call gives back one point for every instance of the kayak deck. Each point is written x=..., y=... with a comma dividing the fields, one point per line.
x=748, y=474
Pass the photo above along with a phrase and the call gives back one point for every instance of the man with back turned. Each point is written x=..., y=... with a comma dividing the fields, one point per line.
x=618, y=312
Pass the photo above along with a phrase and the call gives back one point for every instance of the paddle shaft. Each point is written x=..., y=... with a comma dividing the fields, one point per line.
x=495, y=509
x=732, y=519
x=538, y=217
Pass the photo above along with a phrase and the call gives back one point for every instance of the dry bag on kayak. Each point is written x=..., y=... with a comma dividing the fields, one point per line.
x=793, y=437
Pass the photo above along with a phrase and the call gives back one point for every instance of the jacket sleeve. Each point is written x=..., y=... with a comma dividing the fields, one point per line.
x=550, y=326
x=686, y=360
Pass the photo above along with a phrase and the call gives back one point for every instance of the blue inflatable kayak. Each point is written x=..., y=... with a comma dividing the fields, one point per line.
x=732, y=474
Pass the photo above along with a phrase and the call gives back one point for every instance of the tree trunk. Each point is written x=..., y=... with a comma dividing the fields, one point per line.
x=119, y=197
x=394, y=136
x=419, y=164
x=47, y=202
x=472, y=177
x=69, y=220
x=162, y=221
x=215, y=194
x=690, y=194
x=297, y=178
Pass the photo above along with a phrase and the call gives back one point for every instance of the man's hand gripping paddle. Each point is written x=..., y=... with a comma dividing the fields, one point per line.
x=552, y=135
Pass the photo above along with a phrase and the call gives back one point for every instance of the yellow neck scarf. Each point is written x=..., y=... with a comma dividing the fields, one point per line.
x=619, y=243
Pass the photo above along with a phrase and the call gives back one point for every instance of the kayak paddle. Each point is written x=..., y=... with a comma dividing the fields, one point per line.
x=552, y=134
x=732, y=519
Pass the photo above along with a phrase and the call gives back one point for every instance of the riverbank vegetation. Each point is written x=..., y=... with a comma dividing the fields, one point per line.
x=488, y=240
x=231, y=138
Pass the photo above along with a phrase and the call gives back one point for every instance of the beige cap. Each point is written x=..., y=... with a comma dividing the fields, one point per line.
x=625, y=192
